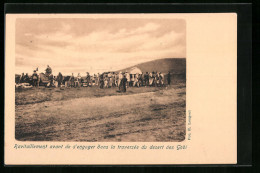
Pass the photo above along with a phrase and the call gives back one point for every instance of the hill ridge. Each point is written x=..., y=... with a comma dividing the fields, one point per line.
x=164, y=65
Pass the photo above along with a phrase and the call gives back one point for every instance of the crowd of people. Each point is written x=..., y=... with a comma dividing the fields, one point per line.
x=122, y=80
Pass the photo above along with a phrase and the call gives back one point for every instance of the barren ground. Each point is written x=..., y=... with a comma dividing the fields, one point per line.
x=92, y=114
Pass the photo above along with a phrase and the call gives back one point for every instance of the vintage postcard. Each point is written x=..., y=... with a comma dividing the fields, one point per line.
x=93, y=89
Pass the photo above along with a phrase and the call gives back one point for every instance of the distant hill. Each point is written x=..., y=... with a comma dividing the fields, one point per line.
x=174, y=65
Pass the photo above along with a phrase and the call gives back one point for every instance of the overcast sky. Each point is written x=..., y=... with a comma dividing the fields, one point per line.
x=95, y=45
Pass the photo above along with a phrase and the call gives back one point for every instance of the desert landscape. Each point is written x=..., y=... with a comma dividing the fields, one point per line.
x=93, y=114
x=138, y=66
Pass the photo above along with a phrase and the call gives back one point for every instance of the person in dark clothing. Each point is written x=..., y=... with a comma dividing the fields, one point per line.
x=26, y=78
x=88, y=79
x=21, y=78
x=59, y=79
x=160, y=79
x=51, y=77
x=140, y=80
x=169, y=78
x=101, y=81
x=146, y=79
x=34, y=78
x=123, y=84
x=113, y=79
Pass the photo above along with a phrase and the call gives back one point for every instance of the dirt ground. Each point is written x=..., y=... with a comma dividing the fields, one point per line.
x=146, y=114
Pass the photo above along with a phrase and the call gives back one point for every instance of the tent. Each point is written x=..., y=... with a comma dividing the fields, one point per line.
x=135, y=70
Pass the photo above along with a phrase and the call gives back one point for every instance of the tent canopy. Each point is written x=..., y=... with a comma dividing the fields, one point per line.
x=135, y=70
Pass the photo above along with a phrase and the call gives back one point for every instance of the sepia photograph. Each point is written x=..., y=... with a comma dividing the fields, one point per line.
x=120, y=89
x=87, y=79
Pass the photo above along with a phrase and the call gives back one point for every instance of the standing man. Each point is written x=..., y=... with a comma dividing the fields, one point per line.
x=151, y=79
x=106, y=81
x=146, y=79
x=35, y=78
x=127, y=75
x=120, y=77
x=78, y=80
x=116, y=76
x=72, y=80
x=59, y=79
x=162, y=79
x=98, y=79
x=157, y=79
x=26, y=78
x=169, y=78
x=22, y=78
x=95, y=79
x=101, y=81
x=113, y=79
x=88, y=79
x=123, y=84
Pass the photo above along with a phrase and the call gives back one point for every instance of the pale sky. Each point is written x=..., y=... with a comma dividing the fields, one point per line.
x=95, y=45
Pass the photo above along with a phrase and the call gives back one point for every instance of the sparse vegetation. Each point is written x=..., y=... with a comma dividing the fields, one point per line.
x=93, y=114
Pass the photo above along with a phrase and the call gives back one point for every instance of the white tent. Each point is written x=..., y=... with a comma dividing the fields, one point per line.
x=135, y=70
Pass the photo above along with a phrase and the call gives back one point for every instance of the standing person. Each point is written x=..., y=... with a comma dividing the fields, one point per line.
x=101, y=81
x=54, y=81
x=140, y=80
x=154, y=78
x=157, y=79
x=132, y=79
x=34, y=78
x=88, y=79
x=117, y=79
x=162, y=79
x=169, y=78
x=59, y=79
x=146, y=79
x=22, y=78
x=26, y=78
x=113, y=80
x=51, y=78
x=123, y=84
x=120, y=77
x=127, y=75
x=78, y=80
x=109, y=76
x=143, y=79
x=95, y=79
x=72, y=80
x=136, y=80
x=106, y=81
x=151, y=79
x=98, y=79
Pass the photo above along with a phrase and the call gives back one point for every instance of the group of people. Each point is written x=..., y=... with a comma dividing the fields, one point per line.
x=114, y=79
x=122, y=80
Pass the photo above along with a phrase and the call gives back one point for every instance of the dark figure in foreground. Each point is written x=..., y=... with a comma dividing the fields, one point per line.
x=169, y=78
x=123, y=84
